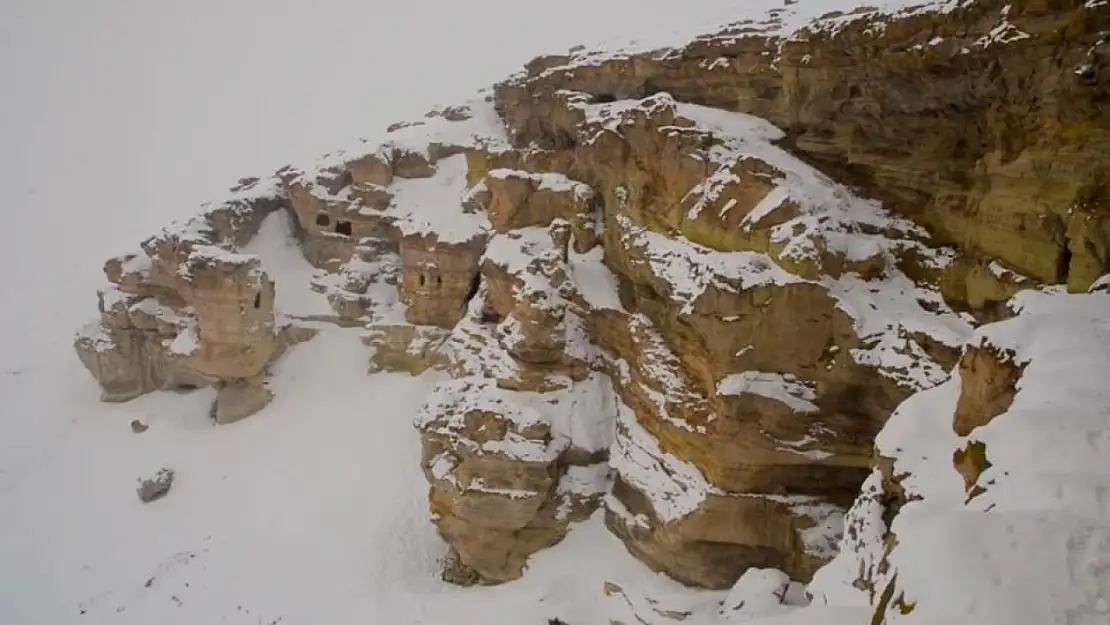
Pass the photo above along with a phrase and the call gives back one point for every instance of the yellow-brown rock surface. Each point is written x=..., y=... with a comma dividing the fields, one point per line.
x=647, y=296
x=189, y=310
x=986, y=123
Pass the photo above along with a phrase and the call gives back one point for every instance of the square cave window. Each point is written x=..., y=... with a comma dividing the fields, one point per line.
x=343, y=227
x=323, y=220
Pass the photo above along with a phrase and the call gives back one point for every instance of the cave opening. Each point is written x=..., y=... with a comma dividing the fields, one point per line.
x=603, y=98
x=475, y=284
x=1063, y=264
x=257, y=301
x=421, y=279
x=323, y=220
x=343, y=227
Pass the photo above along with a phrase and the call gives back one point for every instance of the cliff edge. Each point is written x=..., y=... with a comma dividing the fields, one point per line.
x=689, y=287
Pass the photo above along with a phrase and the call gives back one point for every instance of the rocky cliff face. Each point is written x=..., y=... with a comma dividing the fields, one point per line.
x=187, y=310
x=650, y=285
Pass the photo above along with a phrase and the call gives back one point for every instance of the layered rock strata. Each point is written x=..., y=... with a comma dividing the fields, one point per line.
x=648, y=299
x=188, y=310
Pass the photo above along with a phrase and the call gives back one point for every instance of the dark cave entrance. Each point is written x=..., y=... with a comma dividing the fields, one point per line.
x=343, y=227
x=257, y=301
x=1063, y=264
x=475, y=284
x=603, y=98
x=323, y=220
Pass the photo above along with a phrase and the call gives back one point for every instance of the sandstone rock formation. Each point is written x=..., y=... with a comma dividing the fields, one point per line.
x=189, y=311
x=648, y=298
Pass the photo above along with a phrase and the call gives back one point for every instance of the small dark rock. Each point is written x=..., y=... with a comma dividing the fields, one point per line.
x=139, y=427
x=156, y=487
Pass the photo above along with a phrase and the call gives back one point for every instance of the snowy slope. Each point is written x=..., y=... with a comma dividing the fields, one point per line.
x=122, y=115
x=1033, y=547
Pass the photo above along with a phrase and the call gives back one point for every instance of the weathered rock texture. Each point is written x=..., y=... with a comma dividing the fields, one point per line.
x=987, y=124
x=189, y=311
x=646, y=295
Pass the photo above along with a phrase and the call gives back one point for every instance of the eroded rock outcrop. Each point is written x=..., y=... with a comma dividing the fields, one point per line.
x=984, y=121
x=743, y=388
x=647, y=298
x=188, y=310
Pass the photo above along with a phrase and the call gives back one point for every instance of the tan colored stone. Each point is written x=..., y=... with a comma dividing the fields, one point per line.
x=372, y=169
x=988, y=383
x=410, y=164
x=519, y=199
x=190, y=311
x=238, y=399
x=405, y=348
x=438, y=279
x=984, y=163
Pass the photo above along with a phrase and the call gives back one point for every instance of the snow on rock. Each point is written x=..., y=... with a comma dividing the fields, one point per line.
x=761, y=593
x=524, y=413
x=1004, y=524
x=191, y=310
x=436, y=209
x=689, y=270
x=820, y=232
x=649, y=306
x=675, y=488
x=785, y=388
x=769, y=268
x=768, y=18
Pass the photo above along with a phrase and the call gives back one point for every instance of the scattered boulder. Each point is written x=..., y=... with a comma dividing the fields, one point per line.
x=155, y=487
x=760, y=593
x=240, y=398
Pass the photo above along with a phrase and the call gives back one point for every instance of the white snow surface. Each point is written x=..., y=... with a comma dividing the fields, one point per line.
x=1034, y=548
x=123, y=115
x=787, y=389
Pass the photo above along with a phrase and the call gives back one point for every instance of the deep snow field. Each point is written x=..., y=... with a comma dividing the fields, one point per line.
x=121, y=115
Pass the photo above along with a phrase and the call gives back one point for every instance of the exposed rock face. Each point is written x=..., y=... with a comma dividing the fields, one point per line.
x=438, y=279
x=515, y=445
x=742, y=386
x=189, y=311
x=989, y=379
x=648, y=302
x=986, y=123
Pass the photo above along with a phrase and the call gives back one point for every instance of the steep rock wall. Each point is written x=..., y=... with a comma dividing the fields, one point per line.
x=647, y=301
x=986, y=123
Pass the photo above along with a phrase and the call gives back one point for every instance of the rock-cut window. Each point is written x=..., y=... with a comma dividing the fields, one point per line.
x=323, y=220
x=343, y=227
